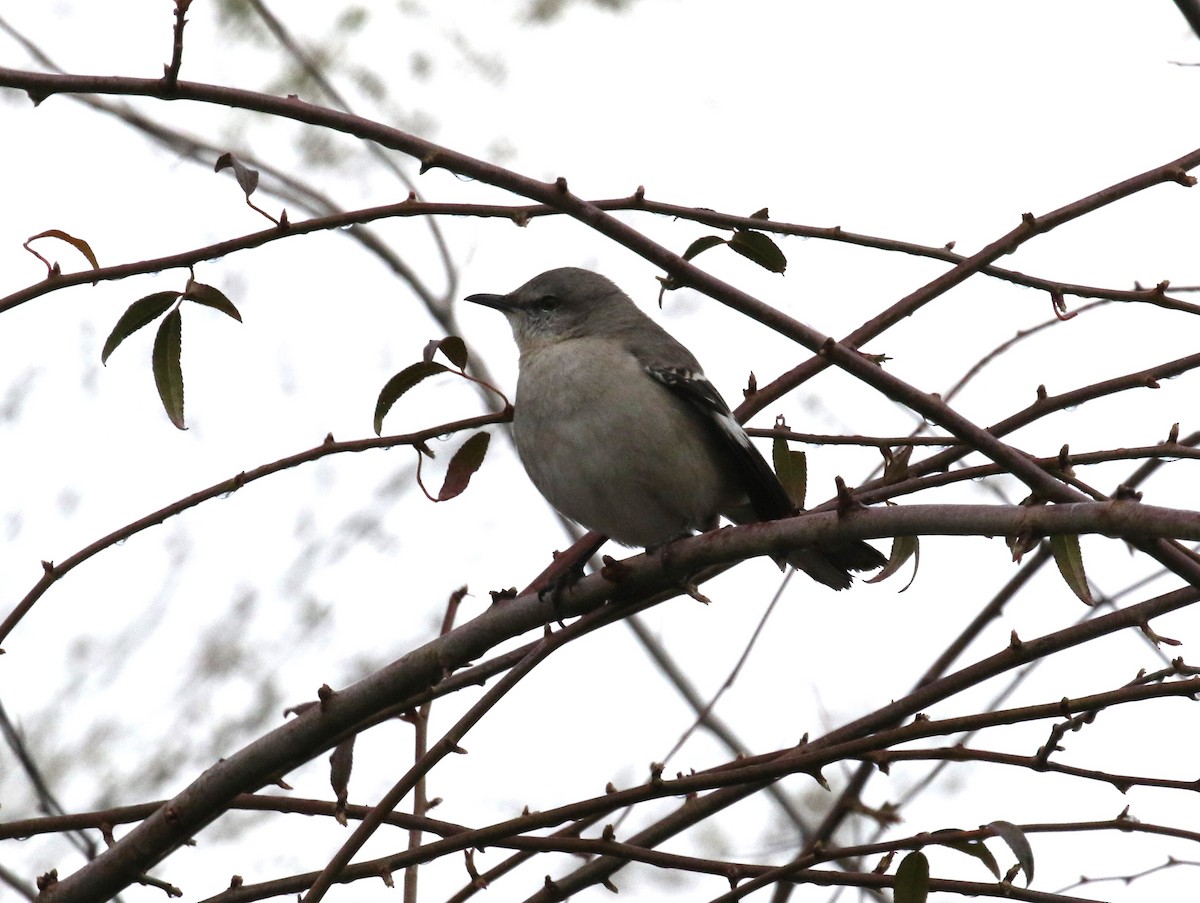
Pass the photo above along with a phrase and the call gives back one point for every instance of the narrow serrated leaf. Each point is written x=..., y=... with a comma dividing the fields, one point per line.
x=246, y=177
x=978, y=849
x=1018, y=843
x=140, y=313
x=463, y=465
x=760, y=248
x=401, y=383
x=912, y=879
x=792, y=469
x=341, y=762
x=168, y=374
x=700, y=245
x=78, y=243
x=903, y=548
x=452, y=346
x=211, y=297
x=1070, y=564
x=895, y=467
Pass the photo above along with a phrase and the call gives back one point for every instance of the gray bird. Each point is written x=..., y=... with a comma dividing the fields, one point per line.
x=619, y=429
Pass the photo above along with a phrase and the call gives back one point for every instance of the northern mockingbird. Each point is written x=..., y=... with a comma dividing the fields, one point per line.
x=619, y=429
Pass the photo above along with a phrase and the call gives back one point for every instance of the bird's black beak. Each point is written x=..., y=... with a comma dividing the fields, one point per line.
x=495, y=302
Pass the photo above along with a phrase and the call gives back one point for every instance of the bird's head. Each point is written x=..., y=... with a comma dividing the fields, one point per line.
x=562, y=304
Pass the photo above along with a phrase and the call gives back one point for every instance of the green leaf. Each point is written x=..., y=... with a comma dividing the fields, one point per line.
x=1070, y=564
x=700, y=245
x=463, y=465
x=895, y=466
x=401, y=383
x=452, y=346
x=210, y=297
x=1018, y=843
x=168, y=375
x=78, y=243
x=976, y=848
x=760, y=248
x=903, y=548
x=912, y=879
x=246, y=177
x=792, y=469
x=140, y=313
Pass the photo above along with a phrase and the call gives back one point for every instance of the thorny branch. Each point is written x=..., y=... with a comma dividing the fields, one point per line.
x=637, y=580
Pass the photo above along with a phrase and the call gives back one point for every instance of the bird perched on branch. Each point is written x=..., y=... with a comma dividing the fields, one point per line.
x=619, y=429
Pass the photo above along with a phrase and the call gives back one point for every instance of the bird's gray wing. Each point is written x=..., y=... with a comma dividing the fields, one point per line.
x=767, y=496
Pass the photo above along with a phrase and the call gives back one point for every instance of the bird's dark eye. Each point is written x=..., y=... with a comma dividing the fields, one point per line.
x=547, y=303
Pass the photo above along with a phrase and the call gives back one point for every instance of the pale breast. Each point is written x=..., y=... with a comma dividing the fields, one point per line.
x=634, y=462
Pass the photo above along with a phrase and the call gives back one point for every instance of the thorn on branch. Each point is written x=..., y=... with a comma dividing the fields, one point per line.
x=561, y=184
x=1064, y=460
x=1156, y=638
x=1126, y=494
x=1182, y=177
x=846, y=501
x=612, y=570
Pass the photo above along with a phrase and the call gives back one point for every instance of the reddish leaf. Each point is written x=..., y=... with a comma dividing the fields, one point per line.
x=78, y=243
x=454, y=348
x=246, y=177
x=463, y=465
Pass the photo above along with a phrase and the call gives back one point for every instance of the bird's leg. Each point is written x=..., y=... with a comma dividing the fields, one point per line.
x=686, y=584
x=564, y=571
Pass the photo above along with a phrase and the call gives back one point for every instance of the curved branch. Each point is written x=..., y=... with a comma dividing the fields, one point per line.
x=53, y=572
